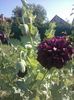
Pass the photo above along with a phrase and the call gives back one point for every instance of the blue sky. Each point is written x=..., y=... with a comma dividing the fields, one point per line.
x=53, y=7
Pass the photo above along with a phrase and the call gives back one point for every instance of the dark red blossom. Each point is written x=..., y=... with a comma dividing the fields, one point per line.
x=54, y=52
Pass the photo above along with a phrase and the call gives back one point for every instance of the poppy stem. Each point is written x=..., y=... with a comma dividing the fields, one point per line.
x=44, y=75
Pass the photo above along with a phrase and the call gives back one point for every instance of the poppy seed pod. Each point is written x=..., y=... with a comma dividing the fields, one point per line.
x=54, y=52
x=28, y=46
x=26, y=29
x=21, y=68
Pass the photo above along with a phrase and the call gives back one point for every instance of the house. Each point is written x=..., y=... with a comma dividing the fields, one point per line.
x=61, y=26
x=58, y=20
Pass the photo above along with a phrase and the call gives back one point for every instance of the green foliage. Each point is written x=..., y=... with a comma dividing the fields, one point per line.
x=40, y=20
x=32, y=29
x=38, y=83
x=31, y=11
x=42, y=29
x=72, y=36
x=51, y=31
x=15, y=30
x=73, y=22
x=5, y=26
x=62, y=27
x=40, y=13
x=28, y=19
x=1, y=27
x=17, y=12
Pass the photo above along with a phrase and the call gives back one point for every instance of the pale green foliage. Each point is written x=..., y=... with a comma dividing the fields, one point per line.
x=32, y=29
x=28, y=19
x=38, y=83
x=24, y=28
x=51, y=31
x=7, y=28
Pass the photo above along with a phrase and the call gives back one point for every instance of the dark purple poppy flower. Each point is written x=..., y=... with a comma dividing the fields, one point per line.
x=54, y=52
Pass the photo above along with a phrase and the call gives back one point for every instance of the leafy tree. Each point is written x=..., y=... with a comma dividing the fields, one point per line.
x=17, y=13
x=40, y=13
x=15, y=30
x=36, y=10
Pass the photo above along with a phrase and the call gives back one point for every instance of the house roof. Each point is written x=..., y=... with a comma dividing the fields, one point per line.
x=59, y=20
